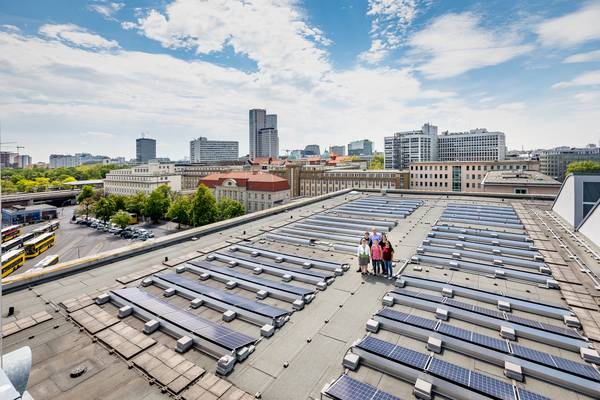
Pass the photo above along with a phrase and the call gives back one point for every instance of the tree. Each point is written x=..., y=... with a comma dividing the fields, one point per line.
x=119, y=200
x=204, y=207
x=85, y=198
x=104, y=208
x=157, y=204
x=583, y=166
x=229, y=208
x=8, y=187
x=136, y=203
x=179, y=210
x=121, y=219
x=376, y=162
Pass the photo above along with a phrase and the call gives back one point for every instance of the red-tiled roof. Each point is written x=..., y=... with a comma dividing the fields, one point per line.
x=251, y=180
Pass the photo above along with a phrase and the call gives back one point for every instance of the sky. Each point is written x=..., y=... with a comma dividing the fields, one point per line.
x=91, y=76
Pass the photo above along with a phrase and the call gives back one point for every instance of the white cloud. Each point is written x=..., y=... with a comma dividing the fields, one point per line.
x=128, y=25
x=568, y=30
x=590, y=56
x=591, y=97
x=76, y=35
x=273, y=33
x=591, y=78
x=106, y=9
x=10, y=28
x=391, y=19
x=455, y=43
x=99, y=135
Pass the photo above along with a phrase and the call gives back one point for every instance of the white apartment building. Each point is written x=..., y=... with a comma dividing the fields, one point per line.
x=204, y=150
x=142, y=178
x=475, y=145
x=63, y=160
x=410, y=146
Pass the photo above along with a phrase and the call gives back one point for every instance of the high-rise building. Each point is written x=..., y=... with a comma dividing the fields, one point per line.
x=296, y=154
x=360, y=148
x=203, y=150
x=554, y=162
x=25, y=161
x=312, y=150
x=263, y=134
x=63, y=160
x=145, y=149
x=410, y=146
x=475, y=145
x=8, y=159
x=426, y=145
x=337, y=150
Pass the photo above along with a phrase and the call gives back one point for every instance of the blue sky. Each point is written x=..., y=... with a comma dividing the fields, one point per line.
x=92, y=75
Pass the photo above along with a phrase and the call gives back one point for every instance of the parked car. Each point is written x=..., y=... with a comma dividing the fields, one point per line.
x=126, y=234
x=150, y=234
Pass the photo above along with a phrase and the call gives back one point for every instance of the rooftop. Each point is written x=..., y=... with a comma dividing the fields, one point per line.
x=487, y=303
x=519, y=178
x=251, y=180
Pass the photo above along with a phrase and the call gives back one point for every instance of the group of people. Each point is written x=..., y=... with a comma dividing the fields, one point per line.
x=376, y=249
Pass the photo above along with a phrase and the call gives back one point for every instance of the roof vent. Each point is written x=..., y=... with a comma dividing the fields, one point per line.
x=78, y=371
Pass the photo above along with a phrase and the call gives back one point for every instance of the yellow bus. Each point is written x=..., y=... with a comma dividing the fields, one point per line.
x=47, y=261
x=10, y=232
x=12, y=261
x=51, y=227
x=38, y=245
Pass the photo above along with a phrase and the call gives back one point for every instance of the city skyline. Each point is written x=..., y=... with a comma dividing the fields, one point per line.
x=80, y=78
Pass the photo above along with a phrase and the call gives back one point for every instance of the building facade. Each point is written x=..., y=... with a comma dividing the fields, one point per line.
x=256, y=191
x=360, y=148
x=520, y=182
x=204, y=150
x=263, y=134
x=555, y=162
x=460, y=176
x=145, y=150
x=192, y=173
x=475, y=145
x=337, y=150
x=318, y=180
x=404, y=148
x=142, y=178
x=63, y=160
x=312, y=150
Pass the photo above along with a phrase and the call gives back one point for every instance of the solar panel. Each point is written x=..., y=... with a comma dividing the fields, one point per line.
x=449, y=371
x=533, y=355
x=391, y=314
x=202, y=327
x=527, y=395
x=316, y=274
x=251, y=278
x=489, y=312
x=393, y=352
x=577, y=368
x=420, y=322
x=544, y=326
x=235, y=300
x=459, y=304
x=454, y=331
x=523, y=321
x=491, y=386
x=346, y=388
x=492, y=343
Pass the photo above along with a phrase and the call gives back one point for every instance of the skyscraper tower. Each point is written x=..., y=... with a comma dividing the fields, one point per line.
x=263, y=134
x=145, y=149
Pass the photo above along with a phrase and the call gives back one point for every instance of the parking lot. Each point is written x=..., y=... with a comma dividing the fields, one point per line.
x=78, y=240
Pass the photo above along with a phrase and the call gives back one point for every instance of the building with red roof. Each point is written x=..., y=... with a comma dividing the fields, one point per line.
x=256, y=191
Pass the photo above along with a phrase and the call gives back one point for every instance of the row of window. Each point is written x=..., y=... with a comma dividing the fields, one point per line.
x=469, y=167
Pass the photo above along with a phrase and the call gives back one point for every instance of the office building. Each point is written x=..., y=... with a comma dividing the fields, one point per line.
x=192, y=173
x=360, y=148
x=263, y=134
x=337, y=150
x=296, y=154
x=256, y=191
x=63, y=160
x=9, y=159
x=145, y=149
x=25, y=161
x=461, y=176
x=475, y=145
x=142, y=178
x=312, y=150
x=407, y=147
x=520, y=182
x=203, y=150
x=318, y=180
x=555, y=162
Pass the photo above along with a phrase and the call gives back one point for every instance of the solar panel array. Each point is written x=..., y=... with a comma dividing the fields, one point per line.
x=489, y=312
x=393, y=352
x=202, y=327
x=563, y=364
x=217, y=294
x=316, y=274
x=346, y=388
x=299, y=291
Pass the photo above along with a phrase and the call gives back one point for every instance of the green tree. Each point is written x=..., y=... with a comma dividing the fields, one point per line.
x=119, y=200
x=8, y=187
x=136, y=203
x=179, y=210
x=583, y=166
x=204, y=207
x=376, y=162
x=104, y=208
x=157, y=204
x=85, y=198
x=121, y=219
x=229, y=208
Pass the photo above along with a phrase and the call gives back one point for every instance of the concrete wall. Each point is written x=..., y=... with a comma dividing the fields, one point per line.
x=591, y=225
x=531, y=189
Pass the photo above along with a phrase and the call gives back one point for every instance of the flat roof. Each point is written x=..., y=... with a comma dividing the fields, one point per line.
x=519, y=178
x=478, y=258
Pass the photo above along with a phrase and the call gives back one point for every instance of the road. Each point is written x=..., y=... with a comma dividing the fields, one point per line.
x=75, y=241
